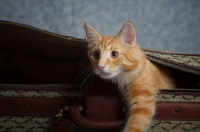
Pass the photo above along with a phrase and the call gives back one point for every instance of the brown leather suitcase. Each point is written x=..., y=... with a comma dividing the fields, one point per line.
x=45, y=85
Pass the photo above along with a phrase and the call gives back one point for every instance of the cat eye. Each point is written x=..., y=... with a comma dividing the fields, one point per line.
x=114, y=54
x=96, y=54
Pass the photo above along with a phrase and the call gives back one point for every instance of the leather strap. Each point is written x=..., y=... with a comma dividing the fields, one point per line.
x=102, y=102
x=100, y=124
x=164, y=111
x=32, y=106
x=103, y=110
x=177, y=111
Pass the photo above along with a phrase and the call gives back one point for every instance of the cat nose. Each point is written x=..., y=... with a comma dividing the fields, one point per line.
x=101, y=67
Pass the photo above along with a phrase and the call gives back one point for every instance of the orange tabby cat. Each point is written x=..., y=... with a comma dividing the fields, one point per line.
x=120, y=59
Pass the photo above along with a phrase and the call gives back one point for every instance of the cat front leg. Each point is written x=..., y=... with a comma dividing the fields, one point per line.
x=140, y=113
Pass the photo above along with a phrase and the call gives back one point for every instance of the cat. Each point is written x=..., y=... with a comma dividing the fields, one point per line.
x=120, y=60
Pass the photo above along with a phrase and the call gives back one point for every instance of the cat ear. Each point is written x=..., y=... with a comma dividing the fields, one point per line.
x=92, y=35
x=127, y=34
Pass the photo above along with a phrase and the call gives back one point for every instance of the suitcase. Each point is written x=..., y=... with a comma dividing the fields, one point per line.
x=46, y=85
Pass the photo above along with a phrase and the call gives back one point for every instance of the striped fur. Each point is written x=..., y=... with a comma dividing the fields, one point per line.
x=120, y=60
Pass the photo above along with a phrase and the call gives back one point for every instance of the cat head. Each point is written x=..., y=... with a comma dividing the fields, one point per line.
x=113, y=56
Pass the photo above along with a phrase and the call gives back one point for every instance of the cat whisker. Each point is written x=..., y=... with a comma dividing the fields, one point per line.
x=118, y=80
x=86, y=78
x=77, y=61
x=121, y=82
x=90, y=80
x=86, y=70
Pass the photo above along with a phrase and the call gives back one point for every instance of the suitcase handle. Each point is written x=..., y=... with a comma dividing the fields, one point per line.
x=79, y=119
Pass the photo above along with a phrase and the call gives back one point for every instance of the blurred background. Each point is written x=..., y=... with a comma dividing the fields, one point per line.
x=172, y=25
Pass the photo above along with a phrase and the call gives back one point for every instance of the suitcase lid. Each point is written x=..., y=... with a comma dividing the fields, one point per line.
x=26, y=41
x=180, y=61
